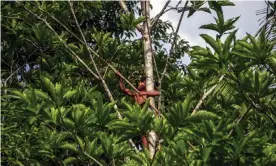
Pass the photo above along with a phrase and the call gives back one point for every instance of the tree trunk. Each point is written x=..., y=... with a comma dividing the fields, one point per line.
x=148, y=54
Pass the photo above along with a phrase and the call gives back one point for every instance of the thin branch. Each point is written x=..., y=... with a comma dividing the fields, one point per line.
x=172, y=8
x=13, y=73
x=110, y=62
x=240, y=119
x=87, y=155
x=91, y=57
x=95, y=66
x=156, y=18
x=171, y=51
x=54, y=18
x=61, y=40
x=155, y=66
x=50, y=27
x=90, y=49
x=205, y=95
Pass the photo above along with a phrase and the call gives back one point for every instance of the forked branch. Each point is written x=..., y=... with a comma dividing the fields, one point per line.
x=205, y=95
x=156, y=18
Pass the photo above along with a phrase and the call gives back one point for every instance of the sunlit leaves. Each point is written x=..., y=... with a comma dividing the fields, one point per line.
x=56, y=115
x=258, y=51
x=196, y=6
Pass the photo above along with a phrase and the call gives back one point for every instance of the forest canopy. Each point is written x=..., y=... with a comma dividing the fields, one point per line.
x=72, y=93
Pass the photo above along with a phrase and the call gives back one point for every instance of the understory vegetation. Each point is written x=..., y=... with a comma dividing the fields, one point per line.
x=61, y=103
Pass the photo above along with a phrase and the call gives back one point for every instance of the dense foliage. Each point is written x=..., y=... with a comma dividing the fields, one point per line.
x=218, y=110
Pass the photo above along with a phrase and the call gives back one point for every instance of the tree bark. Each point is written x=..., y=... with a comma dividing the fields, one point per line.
x=148, y=56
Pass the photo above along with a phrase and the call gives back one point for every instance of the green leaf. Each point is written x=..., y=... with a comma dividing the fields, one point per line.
x=230, y=22
x=19, y=163
x=73, y=46
x=186, y=103
x=41, y=94
x=146, y=106
x=211, y=26
x=206, y=153
x=69, y=160
x=229, y=40
x=225, y=3
x=243, y=54
x=211, y=42
x=245, y=44
x=49, y=87
x=138, y=158
x=270, y=149
x=69, y=94
x=120, y=125
x=205, y=9
x=80, y=142
x=22, y=96
x=127, y=105
x=191, y=12
x=13, y=23
x=69, y=146
x=139, y=20
x=202, y=115
x=181, y=145
x=247, y=139
x=255, y=43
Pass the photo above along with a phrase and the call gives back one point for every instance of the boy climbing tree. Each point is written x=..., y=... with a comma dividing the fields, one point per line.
x=139, y=97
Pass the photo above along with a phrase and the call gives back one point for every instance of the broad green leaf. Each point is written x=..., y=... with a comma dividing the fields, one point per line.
x=139, y=20
x=206, y=153
x=205, y=9
x=211, y=42
x=69, y=160
x=80, y=142
x=139, y=158
x=69, y=146
x=202, y=115
x=21, y=95
x=230, y=22
x=255, y=43
x=229, y=40
x=225, y=3
x=49, y=87
x=245, y=45
x=41, y=94
x=146, y=106
x=127, y=105
x=211, y=26
x=69, y=94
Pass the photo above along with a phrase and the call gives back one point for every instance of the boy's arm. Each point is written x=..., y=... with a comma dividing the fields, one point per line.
x=151, y=93
x=124, y=89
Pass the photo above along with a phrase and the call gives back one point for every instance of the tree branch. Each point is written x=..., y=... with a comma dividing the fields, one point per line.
x=156, y=18
x=205, y=95
x=50, y=27
x=171, y=51
x=90, y=49
x=240, y=119
x=61, y=40
x=95, y=66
